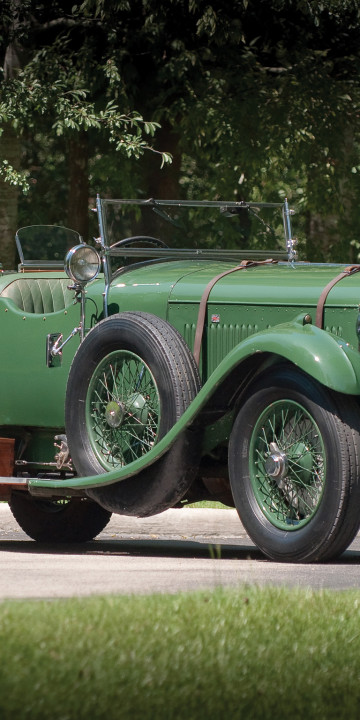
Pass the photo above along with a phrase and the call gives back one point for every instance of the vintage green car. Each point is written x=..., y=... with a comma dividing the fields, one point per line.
x=166, y=375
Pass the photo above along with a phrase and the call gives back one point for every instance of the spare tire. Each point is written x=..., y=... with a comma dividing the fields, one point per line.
x=131, y=380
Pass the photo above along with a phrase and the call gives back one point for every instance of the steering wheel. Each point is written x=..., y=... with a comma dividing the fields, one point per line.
x=139, y=238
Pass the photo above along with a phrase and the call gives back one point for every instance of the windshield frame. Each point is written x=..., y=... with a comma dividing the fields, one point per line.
x=228, y=208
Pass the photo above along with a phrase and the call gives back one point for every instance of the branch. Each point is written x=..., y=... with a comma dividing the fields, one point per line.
x=66, y=22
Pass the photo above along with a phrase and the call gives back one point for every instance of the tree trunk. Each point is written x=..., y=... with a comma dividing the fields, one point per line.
x=78, y=212
x=164, y=184
x=329, y=231
x=10, y=148
x=161, y=184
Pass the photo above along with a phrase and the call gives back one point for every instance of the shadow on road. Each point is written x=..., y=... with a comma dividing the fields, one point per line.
x=155, y=548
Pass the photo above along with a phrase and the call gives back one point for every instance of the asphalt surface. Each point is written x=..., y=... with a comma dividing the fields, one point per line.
x=179, y=550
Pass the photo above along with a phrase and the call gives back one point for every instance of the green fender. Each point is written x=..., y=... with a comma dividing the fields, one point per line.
x=325, y=357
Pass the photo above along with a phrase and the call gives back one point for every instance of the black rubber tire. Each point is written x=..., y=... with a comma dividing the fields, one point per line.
x=70, y=521
x=177, y=382
x=332, y=525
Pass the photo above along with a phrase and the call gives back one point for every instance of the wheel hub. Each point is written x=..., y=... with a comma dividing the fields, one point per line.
x=276, y=464
x=138, y=411
x=302, y=456
x=114, y=413
x=135, y=409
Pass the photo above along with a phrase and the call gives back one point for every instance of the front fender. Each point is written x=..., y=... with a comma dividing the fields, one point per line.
x=325, y=357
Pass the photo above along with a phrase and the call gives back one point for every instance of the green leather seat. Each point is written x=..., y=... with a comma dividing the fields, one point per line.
x=39, y=295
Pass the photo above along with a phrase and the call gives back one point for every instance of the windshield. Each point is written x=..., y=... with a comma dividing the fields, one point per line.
x=134, y=231
x=38, y=244
x=202, y=224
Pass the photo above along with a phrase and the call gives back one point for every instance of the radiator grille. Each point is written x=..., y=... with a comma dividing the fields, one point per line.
x=222, y=338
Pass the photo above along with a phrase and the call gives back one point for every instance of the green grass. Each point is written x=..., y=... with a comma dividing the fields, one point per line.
x=209, y=504
x=246, y=654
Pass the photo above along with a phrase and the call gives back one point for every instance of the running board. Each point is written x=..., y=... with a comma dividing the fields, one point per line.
x=24, y=484
x=14, y=481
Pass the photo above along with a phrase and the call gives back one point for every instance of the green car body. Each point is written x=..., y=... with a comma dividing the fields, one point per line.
x=266, y=417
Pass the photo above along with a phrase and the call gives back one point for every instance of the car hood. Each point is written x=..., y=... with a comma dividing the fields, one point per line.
x=272, y=284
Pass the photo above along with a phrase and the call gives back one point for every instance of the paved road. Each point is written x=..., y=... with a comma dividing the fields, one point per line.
x=183, y=549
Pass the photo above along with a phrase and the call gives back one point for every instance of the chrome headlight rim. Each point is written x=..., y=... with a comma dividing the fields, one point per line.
x=82, y=264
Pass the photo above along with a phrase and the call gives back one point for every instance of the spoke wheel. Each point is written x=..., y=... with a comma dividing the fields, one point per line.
x=287, y=464
x=131, y=380
x=294, y=467
x=122, y=409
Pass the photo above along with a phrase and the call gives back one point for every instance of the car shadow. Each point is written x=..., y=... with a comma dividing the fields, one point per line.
x=137, y=547
x=243, y=550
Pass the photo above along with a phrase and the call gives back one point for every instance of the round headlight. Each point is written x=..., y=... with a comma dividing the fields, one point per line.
x=82, y=263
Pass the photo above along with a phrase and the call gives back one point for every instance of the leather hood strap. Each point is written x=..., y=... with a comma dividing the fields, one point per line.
x=350, y=270
x=205, y=296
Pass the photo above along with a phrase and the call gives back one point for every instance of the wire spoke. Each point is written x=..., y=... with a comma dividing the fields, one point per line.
x=291, y=496
x=125, y=381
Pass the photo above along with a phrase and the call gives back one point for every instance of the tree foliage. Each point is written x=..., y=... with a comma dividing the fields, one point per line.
x=256, y=100
x=58, y=84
